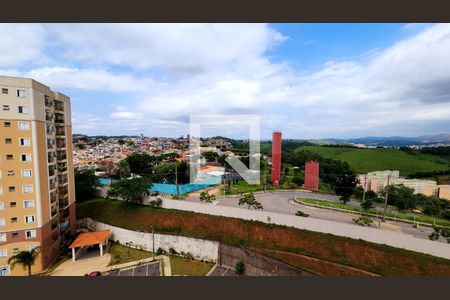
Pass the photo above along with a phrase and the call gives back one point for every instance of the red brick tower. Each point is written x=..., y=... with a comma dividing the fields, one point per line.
x=276, y=158
x=312, y=175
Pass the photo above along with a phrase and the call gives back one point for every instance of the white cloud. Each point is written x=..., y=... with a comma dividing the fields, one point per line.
x=21, y=43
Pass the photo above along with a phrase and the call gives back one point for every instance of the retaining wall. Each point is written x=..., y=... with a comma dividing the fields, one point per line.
x=200, y=249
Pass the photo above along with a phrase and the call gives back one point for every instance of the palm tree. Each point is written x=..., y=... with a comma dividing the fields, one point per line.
x=25, y=258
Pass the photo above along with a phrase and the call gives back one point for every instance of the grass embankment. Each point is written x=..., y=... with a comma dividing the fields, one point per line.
x=380, y=259
x=189, y=267
x=419, y=218
x=121, y=254
x=378, y=159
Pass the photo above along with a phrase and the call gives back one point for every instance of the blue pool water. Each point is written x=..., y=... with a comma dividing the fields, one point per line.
x=105, y=181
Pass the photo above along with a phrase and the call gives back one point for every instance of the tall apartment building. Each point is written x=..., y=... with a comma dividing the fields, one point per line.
x=37, y=196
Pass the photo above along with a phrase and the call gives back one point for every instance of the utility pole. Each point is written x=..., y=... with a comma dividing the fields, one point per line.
x=153, y=242
x=176, y=179
x=364, y=188
x=386, y=198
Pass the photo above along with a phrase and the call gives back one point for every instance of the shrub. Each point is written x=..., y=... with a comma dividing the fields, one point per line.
x=172, y=251
x=301, y=214
x=363, y=221
x=446, y=214
x=156, y=203
x=239, y=267
x=160, y=251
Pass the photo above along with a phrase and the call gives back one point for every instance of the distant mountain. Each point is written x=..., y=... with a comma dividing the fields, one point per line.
x=394, y=141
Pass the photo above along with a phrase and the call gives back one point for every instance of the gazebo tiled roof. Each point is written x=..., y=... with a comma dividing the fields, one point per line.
x=90, y=238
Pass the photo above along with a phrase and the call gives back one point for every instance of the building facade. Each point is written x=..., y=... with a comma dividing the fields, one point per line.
x=276, y=158
x=37, y=196
x=312, y=175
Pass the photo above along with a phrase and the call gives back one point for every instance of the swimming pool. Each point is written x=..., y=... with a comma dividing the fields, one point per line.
x=105, y=181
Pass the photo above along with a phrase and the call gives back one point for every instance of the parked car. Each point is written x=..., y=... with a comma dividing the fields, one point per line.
x=95, y=273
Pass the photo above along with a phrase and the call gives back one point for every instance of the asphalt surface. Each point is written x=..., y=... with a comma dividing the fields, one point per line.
x=282, y=202
x=222, y=271
x=151, y=269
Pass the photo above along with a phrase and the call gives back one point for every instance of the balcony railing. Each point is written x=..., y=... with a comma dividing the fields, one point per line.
x=53, y=197
x=48, y=101
x=60, y=131
x=61, y=156
x=63, y=204
x=59, y=118
x=51, y=157
x=62, y=179
x=51, y=171
x=49, y=117
x=61, y=143
x=59, y=105
x=52, y=184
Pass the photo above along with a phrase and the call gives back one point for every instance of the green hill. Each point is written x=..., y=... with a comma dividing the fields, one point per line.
x=368, y=160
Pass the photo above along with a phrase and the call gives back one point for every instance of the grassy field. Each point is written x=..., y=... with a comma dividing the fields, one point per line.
x=189, y=267
x=121, y=254
x=376, y=258
x=419, y=218
x=368, y=160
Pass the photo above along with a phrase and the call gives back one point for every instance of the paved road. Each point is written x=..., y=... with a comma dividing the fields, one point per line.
x=222, y=271
x=151, y=269
x=282, y=202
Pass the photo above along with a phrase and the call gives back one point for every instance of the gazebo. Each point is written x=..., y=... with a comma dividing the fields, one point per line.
x=86, y=239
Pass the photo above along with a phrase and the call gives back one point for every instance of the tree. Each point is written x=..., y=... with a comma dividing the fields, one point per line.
x=367, y=204
x=345, y=184
x=298, y=180
x=239, y=267
x=206, y=197
x=210, y=156
x=85, y=184
x=123, y=169
x=141, y=164
x=108, y=166
x=249, y=199
x=400, y=196
x=25, y=259
x=130, y=190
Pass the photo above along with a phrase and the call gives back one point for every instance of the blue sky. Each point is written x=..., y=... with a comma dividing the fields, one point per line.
x=307, y=80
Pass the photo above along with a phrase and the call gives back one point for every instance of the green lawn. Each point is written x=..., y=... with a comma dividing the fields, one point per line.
x=378, y=159
x=189, y=267
x=121, y=254
x=419, y=218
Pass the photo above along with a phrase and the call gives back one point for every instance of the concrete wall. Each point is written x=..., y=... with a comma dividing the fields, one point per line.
x=257, y=264
x=200, y=249
x=374, y=235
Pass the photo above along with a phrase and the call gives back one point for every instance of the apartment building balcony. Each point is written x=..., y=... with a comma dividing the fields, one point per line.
x=60, y=143
x=52, y=184
x=60, y=131
x=54, y=224
x=48, y=101
x=53, y=197
x=50, y=129
x=59, y=118
x=49, y=116
x=54, y=212
x=58, y=106
x=51, y=157
x=51, y=143
x=61, y=155
x=64, y=216
x=63, y=204
x=63, y=180
x=62, y=167
x=65, y=225
x=52, y=170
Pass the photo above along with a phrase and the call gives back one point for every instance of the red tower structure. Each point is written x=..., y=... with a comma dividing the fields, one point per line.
x=276, y=158
x=312, y=175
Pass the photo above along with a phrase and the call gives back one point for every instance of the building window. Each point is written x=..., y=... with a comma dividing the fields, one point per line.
x=24, y=126
x=4, y=271
x=3, y=253
x=16, y=250
x=21, y=93
x=15, y=235
x=2, y=206
x=28, y=203
x=5, y=107
x=25, y=157
x=30, y=234
x=8, y=141
x=9, y=156
x=29, y=219
x=4, y=91
x=7, y=124
x=14, y=220
x=27, y=189
x=24, y=142
x=12, y=204
x=2, y=222
x=26, y=173
x=23, y=110
x=10, y=172
x=2, y=237
x=12, y=189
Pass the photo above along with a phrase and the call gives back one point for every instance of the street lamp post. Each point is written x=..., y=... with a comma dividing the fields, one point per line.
x=153, y=241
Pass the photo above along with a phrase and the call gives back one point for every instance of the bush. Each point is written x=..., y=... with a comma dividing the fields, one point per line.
x=301, y=214
x=179, y=197
x=172, y=251
x=367, y=204
x=446, y=214
x=239, y=267
x=156, y=203
x=363, y=221
x=160, y=251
